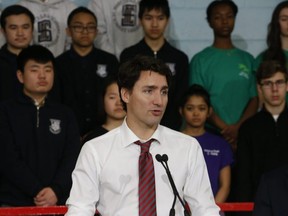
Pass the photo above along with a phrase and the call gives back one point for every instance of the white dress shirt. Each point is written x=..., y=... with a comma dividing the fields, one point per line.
x=106, y=175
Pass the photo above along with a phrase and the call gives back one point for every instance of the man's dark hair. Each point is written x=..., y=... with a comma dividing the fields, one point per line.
x=216, y=3
x=148, y=5
x=267, y=69
x=15, y=10
x=195, y=90
x=129, y=72
x=37, y=53
x=80, y=10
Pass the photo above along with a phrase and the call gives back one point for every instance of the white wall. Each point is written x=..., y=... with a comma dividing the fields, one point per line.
x=190, y=32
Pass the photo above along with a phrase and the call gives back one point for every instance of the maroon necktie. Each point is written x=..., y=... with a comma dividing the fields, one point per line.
x=147, y=194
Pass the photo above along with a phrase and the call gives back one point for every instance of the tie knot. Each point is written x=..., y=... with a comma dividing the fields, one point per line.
x=144, y=146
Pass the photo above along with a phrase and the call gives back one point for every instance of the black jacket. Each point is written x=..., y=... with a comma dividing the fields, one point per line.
x=82, y=83
x=9, y=84
x=263, y=146
x=38, y=148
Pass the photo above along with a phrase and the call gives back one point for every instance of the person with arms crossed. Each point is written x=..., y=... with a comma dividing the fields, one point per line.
x=109, y=171
x=39, y=139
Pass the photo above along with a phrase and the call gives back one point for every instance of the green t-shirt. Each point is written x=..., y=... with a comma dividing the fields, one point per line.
x=227, y=75
x=259, y=59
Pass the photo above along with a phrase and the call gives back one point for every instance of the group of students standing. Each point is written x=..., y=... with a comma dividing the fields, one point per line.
x=227, y=87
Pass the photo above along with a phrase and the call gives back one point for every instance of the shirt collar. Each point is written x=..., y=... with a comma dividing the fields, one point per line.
x=128, y=137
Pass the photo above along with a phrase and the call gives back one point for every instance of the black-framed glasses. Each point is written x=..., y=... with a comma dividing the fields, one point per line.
x=81, y=28
x=269, y=84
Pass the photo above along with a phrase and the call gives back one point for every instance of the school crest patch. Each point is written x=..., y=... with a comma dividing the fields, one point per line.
x=172, y=68
x=102, y=70
x=55, y=127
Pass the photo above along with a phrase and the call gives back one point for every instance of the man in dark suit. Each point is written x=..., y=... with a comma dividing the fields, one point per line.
x=272, y=195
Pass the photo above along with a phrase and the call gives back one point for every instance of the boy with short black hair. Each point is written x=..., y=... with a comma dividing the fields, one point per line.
x=39, y=139
x=17, y=28
x=154, y=17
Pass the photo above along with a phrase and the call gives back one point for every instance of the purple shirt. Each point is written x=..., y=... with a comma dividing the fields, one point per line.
x=218, y=154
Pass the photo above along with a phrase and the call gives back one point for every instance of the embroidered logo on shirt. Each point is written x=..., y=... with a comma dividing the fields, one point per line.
x=102, y=70
x=171, y=67
x=55, y=126
x=244, y=71
x=212, y=152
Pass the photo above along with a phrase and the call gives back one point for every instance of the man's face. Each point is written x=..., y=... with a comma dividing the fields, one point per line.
x=222, y=21
x=18, y=32
x=273, y=90
x=154, y=23
x=83, y=30
x=283, y=22
x=147, y=101
x=37, y=78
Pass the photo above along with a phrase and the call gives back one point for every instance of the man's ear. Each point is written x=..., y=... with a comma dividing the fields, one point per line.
x=259, y=90
x=20, y=76
x=125, y=95
x=3, y=32
x=180, y=111
x=68, y=32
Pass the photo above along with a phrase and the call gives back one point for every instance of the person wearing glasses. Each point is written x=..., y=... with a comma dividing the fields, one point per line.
x=263, y=138
x=84, y=68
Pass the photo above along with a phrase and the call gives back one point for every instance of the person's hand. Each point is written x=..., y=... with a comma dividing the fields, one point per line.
x=46, y=197
x=230, y=134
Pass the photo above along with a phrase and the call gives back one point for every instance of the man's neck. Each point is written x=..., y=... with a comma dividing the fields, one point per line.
x=13, y=50
x=38, y=99
x=141, y=130
x=82, y=51
x=223, y=43
x=275, y=110
x=156, y=44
